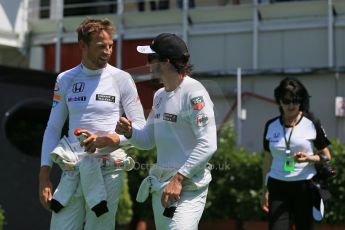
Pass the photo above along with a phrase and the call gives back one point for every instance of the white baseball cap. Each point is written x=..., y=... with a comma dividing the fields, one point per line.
x=145, y=50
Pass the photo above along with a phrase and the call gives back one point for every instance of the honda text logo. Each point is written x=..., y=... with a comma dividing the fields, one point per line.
x=78, y=87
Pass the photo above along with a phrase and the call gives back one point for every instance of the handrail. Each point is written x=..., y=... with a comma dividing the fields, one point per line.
x=81, y=5
x=209, y=3
x=243, y=95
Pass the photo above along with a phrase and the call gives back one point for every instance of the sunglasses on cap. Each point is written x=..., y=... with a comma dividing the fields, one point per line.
x=287, y=101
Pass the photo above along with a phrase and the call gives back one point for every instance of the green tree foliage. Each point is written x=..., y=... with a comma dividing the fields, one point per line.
x=2, y=218
x=234, y=191
x=144, y=161
x=335, y=213
x=125, y=212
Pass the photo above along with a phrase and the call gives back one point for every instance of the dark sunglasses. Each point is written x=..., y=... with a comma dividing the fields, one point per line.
x=286, y=101
x=152, y=57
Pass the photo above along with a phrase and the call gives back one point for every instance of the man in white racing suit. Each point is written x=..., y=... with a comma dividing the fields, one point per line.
x=182, y=127
x=93, y=95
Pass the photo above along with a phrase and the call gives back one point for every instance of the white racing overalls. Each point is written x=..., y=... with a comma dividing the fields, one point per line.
x=191, y=203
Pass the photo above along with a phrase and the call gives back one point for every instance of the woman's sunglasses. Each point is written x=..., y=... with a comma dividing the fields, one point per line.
x=286, y=101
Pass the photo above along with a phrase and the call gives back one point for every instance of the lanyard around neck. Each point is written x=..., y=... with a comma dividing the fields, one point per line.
x=287, y=142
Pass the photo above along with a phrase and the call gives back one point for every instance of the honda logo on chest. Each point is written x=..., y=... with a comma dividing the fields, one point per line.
x=78, y=87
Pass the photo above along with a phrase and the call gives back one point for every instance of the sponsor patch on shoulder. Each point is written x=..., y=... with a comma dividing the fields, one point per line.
x=198, y=103
x=201, y=120
x=56, y=97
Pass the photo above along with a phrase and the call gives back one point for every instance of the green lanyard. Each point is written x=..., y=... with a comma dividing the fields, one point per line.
x=287, y=142
x=289, y=161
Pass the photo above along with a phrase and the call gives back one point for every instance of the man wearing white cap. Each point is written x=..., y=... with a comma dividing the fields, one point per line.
x=182, y=127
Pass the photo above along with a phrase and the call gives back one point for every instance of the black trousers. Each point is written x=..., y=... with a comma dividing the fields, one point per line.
x=290, y=203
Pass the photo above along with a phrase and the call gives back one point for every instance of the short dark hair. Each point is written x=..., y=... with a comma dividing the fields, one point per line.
x=91, y=26
x=292, y=88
